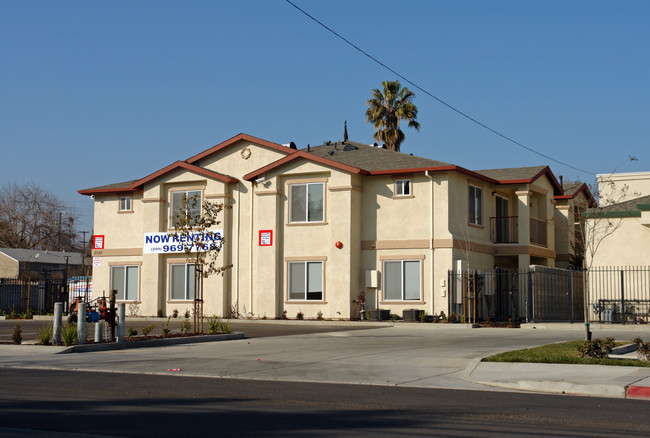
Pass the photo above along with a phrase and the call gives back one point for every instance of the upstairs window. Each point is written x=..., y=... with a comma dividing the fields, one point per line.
x=190, y=208
x=125, y=203
x=402, y=187
x=306, y=202
x=475, y=205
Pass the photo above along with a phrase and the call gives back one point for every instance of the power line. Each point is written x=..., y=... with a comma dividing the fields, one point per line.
x=451, y=107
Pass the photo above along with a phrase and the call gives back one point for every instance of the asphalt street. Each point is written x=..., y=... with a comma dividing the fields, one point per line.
x=56, y=403
x=332, y=380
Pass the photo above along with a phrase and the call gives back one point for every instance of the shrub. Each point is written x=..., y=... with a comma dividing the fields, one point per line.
x=596, y=348
x=45, y=334
x=319, y=316
x=165, y=328
x=213, y=325
x=69, y=334
x=132, y=332
x=423, y=316
x=185, y=326
x=643, y=351
x=187, y=314
x=224, y=326
x=148, y=329
x=299, y=315
x=284, y=315
x=17, y=337
x=175, y=313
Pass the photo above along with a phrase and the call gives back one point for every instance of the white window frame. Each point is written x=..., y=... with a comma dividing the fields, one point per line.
x=186, y=193
x=127, y=296
x=188, y=280
x=475, y=194
x=403, y=187
x=402, y=280
x=126, y=203
x=306, y=263
x=307, y=218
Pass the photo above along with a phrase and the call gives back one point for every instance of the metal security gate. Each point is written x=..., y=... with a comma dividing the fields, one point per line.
x=538, y=294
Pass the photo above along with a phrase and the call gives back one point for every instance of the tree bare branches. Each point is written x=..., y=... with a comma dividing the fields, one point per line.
x=33, y=218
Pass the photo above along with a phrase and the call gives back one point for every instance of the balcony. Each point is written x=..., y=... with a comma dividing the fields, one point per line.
x=538, y=232
x=506, y=230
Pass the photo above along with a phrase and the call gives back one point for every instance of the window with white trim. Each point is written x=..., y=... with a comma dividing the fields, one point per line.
x=402, y=187
x=305, y=281
x=125, y=280
x=402, y=280
x=475, y=205
x=181, y=281
x=125, y=203
x=306, y=202
x=191, y=208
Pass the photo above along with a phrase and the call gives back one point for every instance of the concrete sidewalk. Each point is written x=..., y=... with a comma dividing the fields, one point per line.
x=586, y=380
x=412, y=355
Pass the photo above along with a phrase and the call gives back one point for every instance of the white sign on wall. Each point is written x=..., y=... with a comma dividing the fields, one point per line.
x=97, y=262
x=166, y=243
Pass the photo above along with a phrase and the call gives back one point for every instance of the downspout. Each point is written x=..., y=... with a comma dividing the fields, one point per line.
x=433, y=284
x=237, y=267
x=250, y=253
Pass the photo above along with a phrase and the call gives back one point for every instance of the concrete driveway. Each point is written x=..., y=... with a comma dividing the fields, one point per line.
x=414, y=355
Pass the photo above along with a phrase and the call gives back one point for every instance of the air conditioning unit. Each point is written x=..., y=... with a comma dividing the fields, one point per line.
x=372, y=279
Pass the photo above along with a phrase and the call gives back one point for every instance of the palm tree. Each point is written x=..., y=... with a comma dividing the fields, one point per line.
x=387, y=109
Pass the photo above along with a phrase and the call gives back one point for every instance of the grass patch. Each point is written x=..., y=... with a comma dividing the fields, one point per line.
x=563, y=352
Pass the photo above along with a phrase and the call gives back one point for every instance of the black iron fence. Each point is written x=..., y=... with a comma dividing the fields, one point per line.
x=22, y=296
x=542, y=294
x=619, y=294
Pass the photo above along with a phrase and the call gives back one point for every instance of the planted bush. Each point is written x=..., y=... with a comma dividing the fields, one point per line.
x=69, y=334
x=148, y=329
x=17, y=336
x=45, y=334
x=596, y=348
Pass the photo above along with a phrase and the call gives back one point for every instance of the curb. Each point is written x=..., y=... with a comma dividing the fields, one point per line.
x=638, y=392
x=107, y=346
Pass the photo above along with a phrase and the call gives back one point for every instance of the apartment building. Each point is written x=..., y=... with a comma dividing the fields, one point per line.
x=312, y=228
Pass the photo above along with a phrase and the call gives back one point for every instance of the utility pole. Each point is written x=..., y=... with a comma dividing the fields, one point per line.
x=83, y=264
x=83, y=253
x=59, y=242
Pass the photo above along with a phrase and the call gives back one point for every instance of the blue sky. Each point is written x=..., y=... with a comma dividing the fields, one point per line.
x=93, y=92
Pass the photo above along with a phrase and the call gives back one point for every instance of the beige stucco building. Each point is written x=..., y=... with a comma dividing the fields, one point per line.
x=624, y=225
x=311, y=229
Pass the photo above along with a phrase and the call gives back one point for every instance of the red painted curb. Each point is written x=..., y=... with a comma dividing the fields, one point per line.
x=638, y=392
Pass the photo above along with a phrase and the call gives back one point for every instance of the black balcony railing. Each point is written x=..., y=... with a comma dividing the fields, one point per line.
x=504, y=229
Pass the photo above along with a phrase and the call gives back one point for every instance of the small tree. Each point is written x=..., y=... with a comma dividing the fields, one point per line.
x=598, y=224
x=201, y=243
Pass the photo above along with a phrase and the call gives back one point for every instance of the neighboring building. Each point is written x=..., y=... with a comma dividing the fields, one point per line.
x=337, y=219
x=569, y=223
x=629, y=243
x=37, y=264
x=635, y=184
